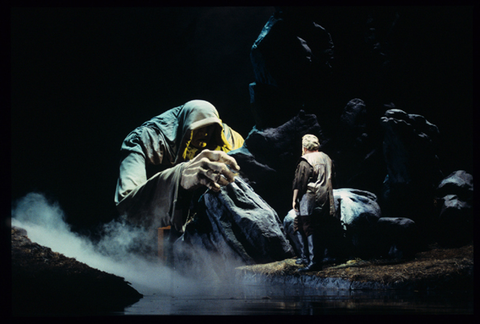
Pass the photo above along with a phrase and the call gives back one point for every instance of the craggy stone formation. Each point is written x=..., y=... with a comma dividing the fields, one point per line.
x=356, y=150
x=454, y=220
x=48, y=283
x=413, y=171
x=405, y=209
x=291, y=60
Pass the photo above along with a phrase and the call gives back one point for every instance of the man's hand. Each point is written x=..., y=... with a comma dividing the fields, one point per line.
x=209, y=168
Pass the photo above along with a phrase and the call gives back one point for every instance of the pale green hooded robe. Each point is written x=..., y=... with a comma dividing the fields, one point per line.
x=152, y=159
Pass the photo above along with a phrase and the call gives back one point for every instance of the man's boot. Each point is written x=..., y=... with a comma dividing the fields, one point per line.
x=314, y=256
x=303, y=259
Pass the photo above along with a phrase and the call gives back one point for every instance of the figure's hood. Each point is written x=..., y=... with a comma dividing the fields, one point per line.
x=194, y=115
x=176, y=125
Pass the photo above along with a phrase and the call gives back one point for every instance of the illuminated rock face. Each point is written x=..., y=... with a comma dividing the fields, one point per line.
x=454, y=220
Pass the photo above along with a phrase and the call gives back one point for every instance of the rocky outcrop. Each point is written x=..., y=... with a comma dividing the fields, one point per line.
x=291, y=60
x=48, y=283
x=407, y=202
x=454, y=221
x=459, y=183
x=413, y=171
x=356, y=150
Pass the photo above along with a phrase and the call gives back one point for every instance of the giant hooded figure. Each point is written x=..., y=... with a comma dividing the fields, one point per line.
x=153, y=157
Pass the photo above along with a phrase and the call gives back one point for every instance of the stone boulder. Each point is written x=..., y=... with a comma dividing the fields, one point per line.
x=288, y=226
x=232, y=227
x=458, y=183
x=409, y=148
x=454, y=222
x=359, y=213
x=397, y=237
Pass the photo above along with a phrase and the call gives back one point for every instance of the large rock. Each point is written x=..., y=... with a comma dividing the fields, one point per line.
x=359, y=213
x=454, y=222
x=458, y=183
x=48, y=283
x=288, y=221
x=409, y=147
x=232, y=227
x=358, y=208
x=397, y=237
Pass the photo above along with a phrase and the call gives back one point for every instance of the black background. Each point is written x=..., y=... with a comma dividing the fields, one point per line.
x=83, y=78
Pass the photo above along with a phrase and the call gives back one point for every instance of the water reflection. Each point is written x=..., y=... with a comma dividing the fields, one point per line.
x=282, y=299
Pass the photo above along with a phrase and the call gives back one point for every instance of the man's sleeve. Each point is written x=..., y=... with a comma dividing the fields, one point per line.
x=301, y=176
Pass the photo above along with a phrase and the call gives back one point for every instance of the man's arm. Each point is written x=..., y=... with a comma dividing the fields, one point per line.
x=294, y=201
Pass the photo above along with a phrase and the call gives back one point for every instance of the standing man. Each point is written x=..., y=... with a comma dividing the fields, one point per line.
x=312, y=201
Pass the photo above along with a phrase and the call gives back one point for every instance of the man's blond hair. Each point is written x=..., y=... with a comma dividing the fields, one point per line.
x=310, y=142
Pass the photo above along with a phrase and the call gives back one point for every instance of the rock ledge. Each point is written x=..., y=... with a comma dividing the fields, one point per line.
x=46, y=282
x=434, y=269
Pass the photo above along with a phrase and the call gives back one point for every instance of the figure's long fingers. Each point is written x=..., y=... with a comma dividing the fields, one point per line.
x=209, y=178
x=222, y=169
x=218, y=168
x=220, y=156
x=217, y=177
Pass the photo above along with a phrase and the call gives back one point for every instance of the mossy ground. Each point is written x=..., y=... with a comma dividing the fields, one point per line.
x=431, y=267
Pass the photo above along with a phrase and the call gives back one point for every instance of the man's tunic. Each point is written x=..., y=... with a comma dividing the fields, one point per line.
x=313, y=179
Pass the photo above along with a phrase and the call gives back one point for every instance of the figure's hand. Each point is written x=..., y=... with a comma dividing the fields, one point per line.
x=294, y=206
x=209, y=168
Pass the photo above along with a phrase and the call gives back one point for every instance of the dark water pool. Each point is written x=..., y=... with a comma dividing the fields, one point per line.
x=282, y=300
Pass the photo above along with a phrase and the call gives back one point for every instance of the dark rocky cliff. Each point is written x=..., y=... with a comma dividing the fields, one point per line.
x=48, y=283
